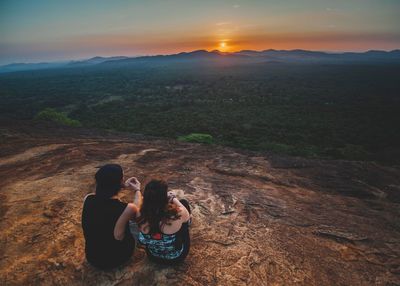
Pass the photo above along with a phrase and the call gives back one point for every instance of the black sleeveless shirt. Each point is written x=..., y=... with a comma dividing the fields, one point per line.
x=99, y=217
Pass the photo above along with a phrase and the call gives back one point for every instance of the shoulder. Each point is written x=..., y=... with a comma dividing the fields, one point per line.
x=89, y=205
x=131, y=208
x=131, y=211
x=182, y=211
x=88, y=197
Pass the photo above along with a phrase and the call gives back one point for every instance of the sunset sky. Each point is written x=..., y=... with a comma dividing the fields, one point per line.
x=51, y=30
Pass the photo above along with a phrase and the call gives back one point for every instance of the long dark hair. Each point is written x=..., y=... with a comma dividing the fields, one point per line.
x=155, y=207
x=108, y=180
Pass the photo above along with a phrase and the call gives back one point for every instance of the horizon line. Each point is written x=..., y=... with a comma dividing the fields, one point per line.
x=209, y=51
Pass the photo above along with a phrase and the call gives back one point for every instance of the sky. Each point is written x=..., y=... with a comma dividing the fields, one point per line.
x=56, y=30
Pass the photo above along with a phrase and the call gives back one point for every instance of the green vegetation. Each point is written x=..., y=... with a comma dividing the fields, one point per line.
x=53, y=115
x=343, y=111
x=197, y=138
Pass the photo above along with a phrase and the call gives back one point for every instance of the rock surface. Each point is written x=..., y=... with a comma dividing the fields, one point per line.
x=259, y=219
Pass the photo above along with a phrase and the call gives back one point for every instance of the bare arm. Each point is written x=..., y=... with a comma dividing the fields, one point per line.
x=134, y=184
x=184, y=213
x=137, y=199
x=175, y=225
x=129, y=213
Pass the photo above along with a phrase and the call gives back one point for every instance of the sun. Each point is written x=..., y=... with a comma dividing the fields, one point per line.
x=223, y=46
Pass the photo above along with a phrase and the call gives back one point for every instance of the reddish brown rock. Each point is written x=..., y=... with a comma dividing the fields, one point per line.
x=259, y=219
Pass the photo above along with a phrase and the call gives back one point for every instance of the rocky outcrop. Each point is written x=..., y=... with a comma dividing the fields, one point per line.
x=259, y=219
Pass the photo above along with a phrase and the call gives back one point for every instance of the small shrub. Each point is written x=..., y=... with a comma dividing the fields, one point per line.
x=278, y=148
x=335, y=153
x=303, y=150
x=354, y=152
x=197, y=138
x=53, y=115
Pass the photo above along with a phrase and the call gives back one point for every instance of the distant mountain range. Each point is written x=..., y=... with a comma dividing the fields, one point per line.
x=206, y=57
x=96, y=60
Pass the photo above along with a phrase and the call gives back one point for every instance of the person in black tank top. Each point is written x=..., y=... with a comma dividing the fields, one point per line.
x=99, y=216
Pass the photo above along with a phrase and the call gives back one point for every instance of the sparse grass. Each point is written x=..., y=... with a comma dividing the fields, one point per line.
x=197, y=138
x=53, y=115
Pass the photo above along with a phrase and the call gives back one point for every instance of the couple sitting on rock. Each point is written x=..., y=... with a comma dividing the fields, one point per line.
x=156, y=219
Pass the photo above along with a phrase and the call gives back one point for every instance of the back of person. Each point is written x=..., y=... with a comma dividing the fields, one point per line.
x=99, y=217
x=100, y=214
x=163, y=224
x=164, y=246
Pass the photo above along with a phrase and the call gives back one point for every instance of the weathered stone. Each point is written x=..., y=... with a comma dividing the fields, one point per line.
x=257, y=219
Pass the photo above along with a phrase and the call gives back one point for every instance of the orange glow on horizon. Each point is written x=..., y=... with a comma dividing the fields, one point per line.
x=223, y=47
x=137, y=28
x=154, y=44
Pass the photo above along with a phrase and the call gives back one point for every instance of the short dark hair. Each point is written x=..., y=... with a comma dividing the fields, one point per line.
x=108, y=180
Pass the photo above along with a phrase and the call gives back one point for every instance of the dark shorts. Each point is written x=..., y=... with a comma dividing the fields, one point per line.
x=110, y=259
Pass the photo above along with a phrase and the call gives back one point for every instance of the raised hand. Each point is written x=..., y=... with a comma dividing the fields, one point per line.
x=133, y=183
x=171, y=196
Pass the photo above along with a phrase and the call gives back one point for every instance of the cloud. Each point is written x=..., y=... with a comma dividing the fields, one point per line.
x=236, y=6
x=222, y=23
